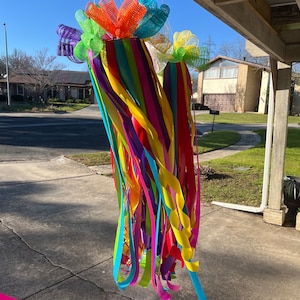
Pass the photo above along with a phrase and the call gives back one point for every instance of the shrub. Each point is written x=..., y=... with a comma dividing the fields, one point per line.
x=53, y=100
x=17, y=98
x=87, y=101
x=207, y=171
x=3, y=98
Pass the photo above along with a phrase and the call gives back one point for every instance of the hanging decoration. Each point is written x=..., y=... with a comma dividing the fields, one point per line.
x=143, y=88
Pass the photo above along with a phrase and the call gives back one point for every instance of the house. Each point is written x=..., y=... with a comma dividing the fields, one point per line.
x=295, y=103
x=232, y=85
x=51, y=84
x=295, y=95
x=72, y=85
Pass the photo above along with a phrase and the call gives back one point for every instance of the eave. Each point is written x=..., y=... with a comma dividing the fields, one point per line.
x=272, y=25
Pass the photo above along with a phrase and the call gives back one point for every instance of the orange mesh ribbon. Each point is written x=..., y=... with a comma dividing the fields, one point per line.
x=119, y=23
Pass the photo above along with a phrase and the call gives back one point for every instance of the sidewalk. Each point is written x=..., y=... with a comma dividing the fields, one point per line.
x=248, y=140
x=57, y=227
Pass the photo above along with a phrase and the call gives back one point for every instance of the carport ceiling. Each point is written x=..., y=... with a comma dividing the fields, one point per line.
x=272, y=25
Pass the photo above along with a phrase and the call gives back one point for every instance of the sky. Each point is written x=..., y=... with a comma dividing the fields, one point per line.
x=31, y=25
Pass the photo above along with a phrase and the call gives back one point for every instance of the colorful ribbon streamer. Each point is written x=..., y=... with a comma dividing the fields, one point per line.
x=151, y=133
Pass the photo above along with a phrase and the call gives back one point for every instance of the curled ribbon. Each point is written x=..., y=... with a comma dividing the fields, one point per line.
x=119, y=23
x=153, y=20
x=69, y=37
x=91, y=38
x=184, y=49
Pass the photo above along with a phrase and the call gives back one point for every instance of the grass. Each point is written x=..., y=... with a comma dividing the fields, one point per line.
x=92, y=159
x=239, y=178
x=35, y=107
x=216, y=140
x=210, y=142
x=240, y=118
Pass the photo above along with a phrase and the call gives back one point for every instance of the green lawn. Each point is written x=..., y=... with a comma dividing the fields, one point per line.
x=35, y=107
x=239, y=178
x=209, y=142
x=239, y=118
x=216, y=140
x=92, y=159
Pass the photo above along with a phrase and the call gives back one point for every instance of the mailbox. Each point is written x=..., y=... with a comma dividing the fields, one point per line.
x=214, y=112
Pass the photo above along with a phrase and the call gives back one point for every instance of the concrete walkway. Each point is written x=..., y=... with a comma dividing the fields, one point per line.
x=57, y=228
x=248, y=140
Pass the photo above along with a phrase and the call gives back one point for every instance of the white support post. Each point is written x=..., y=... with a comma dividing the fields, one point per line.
x=275, y=212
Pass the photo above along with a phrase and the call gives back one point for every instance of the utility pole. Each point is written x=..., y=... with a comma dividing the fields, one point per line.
x=7, y=69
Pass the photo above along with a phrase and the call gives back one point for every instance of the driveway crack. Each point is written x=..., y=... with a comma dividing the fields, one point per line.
x=52, y=263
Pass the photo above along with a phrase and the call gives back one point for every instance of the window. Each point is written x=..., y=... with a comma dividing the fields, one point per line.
x=222, y=69
x=212, y=73
x=20, y=89
x=81, y=93
x=229, y=72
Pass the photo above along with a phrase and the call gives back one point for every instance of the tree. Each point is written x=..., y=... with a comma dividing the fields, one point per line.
x=19, y=61
x=236, y=49
x=44, y=71
x=2, y=67
x=194, y=79
x=41, y=68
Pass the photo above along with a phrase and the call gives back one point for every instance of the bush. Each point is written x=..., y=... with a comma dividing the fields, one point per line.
x=69, y=101
x=53, y=100
x=87, y=101
x=3, y=98
x=17, y=98
x=207, y=171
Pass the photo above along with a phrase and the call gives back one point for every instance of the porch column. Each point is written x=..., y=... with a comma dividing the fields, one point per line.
x=275, y=212
x=200, y=87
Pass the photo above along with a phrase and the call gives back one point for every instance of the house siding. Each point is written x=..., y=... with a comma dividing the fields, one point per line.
x=295, y=105
x=220, y=86
x=240, y=94
x=220, y=102
x=252, y=89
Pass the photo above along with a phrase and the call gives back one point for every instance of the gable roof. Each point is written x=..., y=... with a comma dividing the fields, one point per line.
x=72, y=77
x=18, y=78
x=61, y=77
x=244, y=62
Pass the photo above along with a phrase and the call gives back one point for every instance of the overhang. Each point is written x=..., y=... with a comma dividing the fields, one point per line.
x=272, y=25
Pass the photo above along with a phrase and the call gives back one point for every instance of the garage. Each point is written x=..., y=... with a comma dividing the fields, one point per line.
x=221, y=102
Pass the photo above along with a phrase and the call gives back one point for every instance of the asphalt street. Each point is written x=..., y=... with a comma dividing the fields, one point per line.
x=27, y=137
x=35, y=136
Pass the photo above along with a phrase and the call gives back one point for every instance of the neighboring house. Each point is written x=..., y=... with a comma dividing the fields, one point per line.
x=72, y=85
x=21, y=86
x=61, y=84
x=232, y=85
x=295, y=104
x=295, y=95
